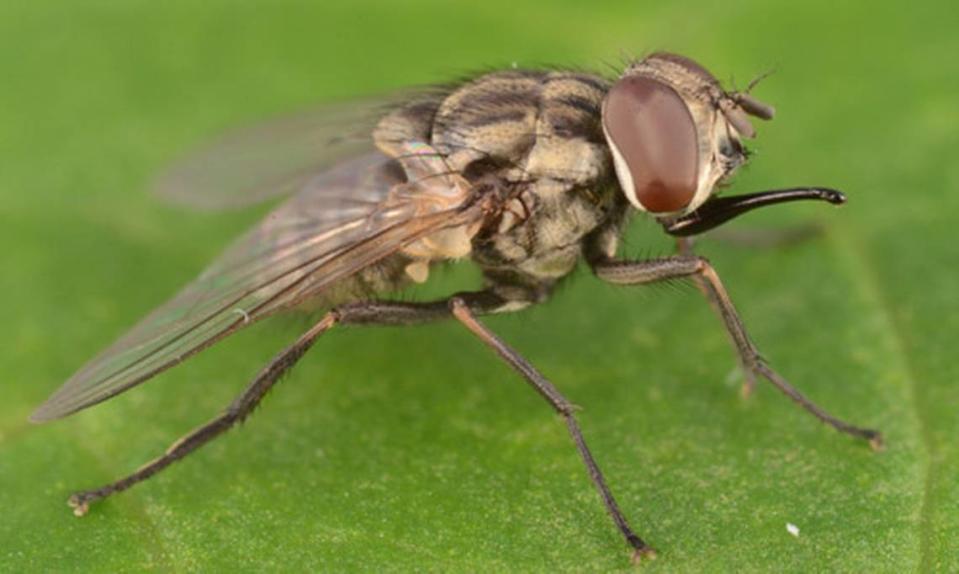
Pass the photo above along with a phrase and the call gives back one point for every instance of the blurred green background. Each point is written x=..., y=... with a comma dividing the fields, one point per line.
x=414, y=449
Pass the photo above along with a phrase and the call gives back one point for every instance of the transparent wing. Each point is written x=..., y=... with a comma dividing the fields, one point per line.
x=279, y=156
x=341, y=222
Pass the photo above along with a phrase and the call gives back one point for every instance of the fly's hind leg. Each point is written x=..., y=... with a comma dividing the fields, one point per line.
x=235, y=413
x=698, y=268
x=382, y=313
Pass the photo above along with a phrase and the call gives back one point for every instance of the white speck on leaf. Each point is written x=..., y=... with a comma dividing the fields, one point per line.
x=792, y=529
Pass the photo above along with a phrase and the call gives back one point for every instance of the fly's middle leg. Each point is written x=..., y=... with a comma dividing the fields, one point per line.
x=698, y=268
x=465, y=307
x=562, y=406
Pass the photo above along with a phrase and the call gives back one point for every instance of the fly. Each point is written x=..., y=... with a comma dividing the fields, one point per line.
x=523, y=172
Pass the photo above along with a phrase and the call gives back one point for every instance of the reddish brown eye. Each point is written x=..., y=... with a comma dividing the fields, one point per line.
x=653, y=139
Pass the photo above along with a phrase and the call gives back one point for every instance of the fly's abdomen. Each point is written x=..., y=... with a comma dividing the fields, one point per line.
x=375, y=281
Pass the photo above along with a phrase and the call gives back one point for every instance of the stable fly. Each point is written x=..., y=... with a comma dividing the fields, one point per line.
x=523, y=172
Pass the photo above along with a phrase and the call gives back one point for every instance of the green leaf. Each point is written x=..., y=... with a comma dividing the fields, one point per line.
x=414, y=449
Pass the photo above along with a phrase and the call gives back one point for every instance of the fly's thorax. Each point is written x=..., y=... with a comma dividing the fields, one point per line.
x=492, y=116
x=674, y=133
x=536, y=133
x=541, y=232
x=543, y=124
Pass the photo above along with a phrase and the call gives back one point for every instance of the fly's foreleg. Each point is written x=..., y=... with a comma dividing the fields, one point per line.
x=363, y=313
x=699, y=269
x=684, y=246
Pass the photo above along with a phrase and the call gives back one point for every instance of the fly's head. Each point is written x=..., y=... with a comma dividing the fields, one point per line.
x=675, y=133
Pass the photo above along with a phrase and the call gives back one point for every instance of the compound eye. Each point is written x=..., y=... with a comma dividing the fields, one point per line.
x=653, y=139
